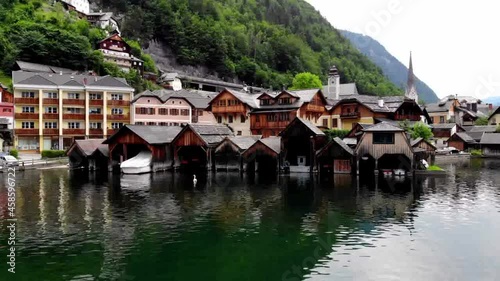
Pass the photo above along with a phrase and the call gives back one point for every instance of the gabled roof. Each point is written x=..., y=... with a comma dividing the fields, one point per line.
x=339, y=142
x=36, y=67
x=37, y=80
x=416, y=141
x=491, y=138
x=348, y=89
x=51, y=79
x=249, y=99
x=274, y=143
x=487, y=129
x=73, y=83
x=87, y=147
x=109, y=81
x=444, y=126
x=210, y=134
x=243, y=142
x=496, y=111
x=464, y=137
x=383, y=127
x=476, y=136
x=315, y=130
x=390, y=105
x=150, y=134
x=197, y=99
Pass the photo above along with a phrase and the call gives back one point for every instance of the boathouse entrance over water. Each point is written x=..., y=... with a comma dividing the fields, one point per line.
x=263, y=156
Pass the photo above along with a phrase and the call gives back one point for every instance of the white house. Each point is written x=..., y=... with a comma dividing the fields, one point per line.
x=81, y=6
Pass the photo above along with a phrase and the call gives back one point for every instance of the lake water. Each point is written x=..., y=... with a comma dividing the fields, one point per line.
x=73, y=226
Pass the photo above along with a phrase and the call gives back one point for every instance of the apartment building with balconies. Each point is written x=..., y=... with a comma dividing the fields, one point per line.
x=52, y=110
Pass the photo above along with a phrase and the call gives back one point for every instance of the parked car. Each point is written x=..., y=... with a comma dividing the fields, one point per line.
x=8, y=161
x=447, y=150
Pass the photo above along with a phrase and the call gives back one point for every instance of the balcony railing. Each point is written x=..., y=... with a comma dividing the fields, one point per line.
x=74, y=116
x=25, y=115
x=119, y=117
x=51, y=132
x=53, y=116
x=74, y=131
x=407, y=117
x=96, y=117
x=95, y=102
x=119, y=102
x=50, y=101
x=240, y=108
x=315, y=108
x=349, y=115
x=24, y=132
x=26, y=101
x=74, y=102
x=96, y=132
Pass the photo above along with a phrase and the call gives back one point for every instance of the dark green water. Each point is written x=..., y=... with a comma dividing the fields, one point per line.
x=72, y=226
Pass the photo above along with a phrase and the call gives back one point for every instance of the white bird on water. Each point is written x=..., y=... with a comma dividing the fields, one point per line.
x=194, y=180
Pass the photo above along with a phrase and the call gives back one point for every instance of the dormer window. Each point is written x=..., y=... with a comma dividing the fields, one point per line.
x=285, y=101
x=265, y=102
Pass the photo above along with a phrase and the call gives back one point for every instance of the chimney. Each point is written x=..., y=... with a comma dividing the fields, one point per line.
x=380, y=102
x=474, y=107
x=490, y=107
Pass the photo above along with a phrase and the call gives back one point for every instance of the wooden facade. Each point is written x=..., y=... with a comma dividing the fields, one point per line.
x=263, y=156
x=190, y=150
x=233, y=108
x=228, y=154
x=335, y=158
x=271, y=123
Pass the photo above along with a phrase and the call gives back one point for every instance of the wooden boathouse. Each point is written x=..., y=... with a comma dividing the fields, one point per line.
x=299, y=142
x=80, y=153
x=423, y=150
x=336, y=158
x=228, y=154
x=384, y=146
x=195, y=144
x=130, y=140
x=264, y=156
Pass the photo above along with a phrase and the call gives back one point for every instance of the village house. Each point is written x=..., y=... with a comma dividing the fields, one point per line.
x=442, y=132
x=103, y=20
x=80, y=153
x=423, y=150
x=172, y=108
x=335, y=158
x=228, y=154
x=463, y=110
x=384, y=147
x=52, y=110
x=233, y=108
x=6, y=117
x=82, y=7
x=490, y=144
x=116, y=50
x=275, y=112
x=131, y=140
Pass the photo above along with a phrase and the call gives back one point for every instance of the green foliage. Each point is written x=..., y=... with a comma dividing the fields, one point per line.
x=333, y=133
x=15, y=153
x=306, y=80
x=434, y=168
x=53, y=153
x=476, y=152
x=481, y=121
x=420, y=130
x=261, y=42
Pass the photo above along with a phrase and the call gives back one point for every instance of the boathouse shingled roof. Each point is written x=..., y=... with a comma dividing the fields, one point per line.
x=212, y=134
x=383, y=127
x=415, y=141
x=273, y=143
x=315, y=130
x=244, y=142
x=465, y=137
x=88, y=147
x=490, y=138
x=476, y=135
x=344, y=145
x=150, y=134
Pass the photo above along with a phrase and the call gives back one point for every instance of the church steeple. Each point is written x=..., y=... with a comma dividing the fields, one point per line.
x=411, y=88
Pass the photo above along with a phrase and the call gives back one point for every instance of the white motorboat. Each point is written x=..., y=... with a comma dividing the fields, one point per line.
x=139, y=164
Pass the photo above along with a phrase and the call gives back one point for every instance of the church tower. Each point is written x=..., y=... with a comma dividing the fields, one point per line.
x=411, y=88
x=333, y=83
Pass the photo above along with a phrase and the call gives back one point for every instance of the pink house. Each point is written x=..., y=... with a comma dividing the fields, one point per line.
x=172, y=108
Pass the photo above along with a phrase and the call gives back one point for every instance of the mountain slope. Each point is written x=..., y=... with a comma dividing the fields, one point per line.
x=260, y=42
x=396, y=71
x=492, y=100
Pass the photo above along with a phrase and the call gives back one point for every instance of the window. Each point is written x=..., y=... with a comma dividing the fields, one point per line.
x=117, y=111
x=95, y=110
x=383, y=138
x=30, y=95
x=95, y=125
x=7, y=110
x=441, y=119
x=200, y=112
x=265, y=102
x=493, y=121
x=28, y=125
x=73, y=125
x=73, y=96
x=151, y=123
x=73, y=110
x=335, y=123
x=163, y=111
x=230, y=119
x=185, y=112
x=239, y=133
x=325, y=123
x=50, y=125
x=174, y=111
x=51, y=110
x=139, y=123
x=28, y=109
x=219, y=119
x=221, y=103
x=95, y=96
x=116, y=96
x=52, y=95
x=285, y=101
x=163, y=124
x=432, y=120
x=242, y=118
x=272, y=117
x=116, y=125
x=284, y=116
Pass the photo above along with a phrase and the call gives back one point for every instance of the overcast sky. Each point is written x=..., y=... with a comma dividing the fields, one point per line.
x=455, y=44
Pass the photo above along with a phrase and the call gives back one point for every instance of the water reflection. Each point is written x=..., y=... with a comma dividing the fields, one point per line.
x=80, y=226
